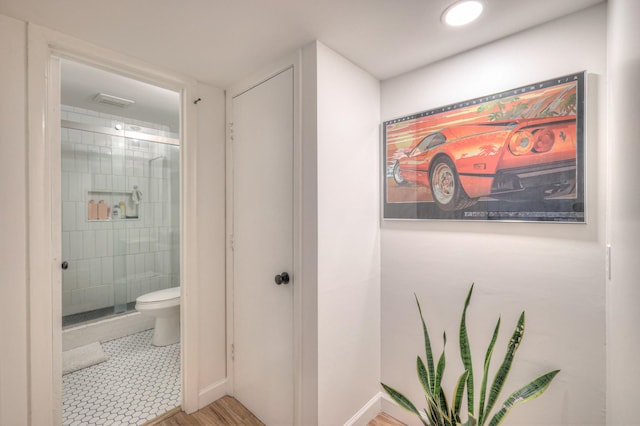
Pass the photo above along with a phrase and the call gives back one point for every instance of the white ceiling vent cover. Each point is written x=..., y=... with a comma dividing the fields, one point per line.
x=103, y=98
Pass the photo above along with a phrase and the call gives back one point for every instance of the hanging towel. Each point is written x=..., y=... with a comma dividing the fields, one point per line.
x=136, y=195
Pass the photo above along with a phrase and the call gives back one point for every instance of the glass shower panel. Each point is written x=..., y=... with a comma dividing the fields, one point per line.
x=148, y=224
x=121, y=203
x=87, y=187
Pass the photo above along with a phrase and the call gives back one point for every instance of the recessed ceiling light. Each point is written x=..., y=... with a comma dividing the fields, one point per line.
x=462, y=13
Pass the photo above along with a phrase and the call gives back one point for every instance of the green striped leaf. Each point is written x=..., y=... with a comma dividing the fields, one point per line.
x=424, y=379
x=442, y=398
x=485, y=375
x=503, y=371
x=427, y=349
x=402, y=401
x=458, y=392
x=465, y=352
x=526, y=393
x=471, y=421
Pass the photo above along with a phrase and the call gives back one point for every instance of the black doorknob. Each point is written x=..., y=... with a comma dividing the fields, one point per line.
x=283, y=278
x=65, y=265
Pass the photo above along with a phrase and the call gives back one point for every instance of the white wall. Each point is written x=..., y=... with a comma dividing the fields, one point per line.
x=348, y=237
x=211, y=243
x=623, y=339
x=554, y=272
x=13, y=224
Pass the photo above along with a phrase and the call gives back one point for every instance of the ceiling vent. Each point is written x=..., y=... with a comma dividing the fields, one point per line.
x=103, y=98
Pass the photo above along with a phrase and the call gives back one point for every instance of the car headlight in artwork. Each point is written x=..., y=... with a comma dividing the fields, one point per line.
x=525, y=142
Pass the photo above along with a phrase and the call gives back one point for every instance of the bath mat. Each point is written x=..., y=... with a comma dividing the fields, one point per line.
x=82, y=357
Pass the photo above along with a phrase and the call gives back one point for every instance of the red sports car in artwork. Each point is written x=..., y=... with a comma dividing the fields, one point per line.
x=517, y=159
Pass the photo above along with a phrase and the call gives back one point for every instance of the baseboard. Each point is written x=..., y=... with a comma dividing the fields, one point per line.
x=212, y=393
x=367, y=413
x=394, y=410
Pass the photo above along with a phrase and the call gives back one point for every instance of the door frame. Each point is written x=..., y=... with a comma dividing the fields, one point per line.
x=293, y=62
x=44, y=210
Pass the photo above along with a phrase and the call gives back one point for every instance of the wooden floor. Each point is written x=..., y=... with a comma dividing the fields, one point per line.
x=227, y=411
x=224, y=412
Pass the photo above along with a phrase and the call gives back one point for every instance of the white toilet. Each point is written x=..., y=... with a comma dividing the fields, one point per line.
x=164, y=306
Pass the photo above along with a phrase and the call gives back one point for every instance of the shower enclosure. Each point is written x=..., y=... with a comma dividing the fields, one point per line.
x=120, y=212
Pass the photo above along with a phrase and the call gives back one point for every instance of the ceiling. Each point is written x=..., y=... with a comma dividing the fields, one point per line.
x=221, y=41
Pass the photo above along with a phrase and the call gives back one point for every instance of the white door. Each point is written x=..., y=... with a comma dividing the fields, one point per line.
x=263, y=248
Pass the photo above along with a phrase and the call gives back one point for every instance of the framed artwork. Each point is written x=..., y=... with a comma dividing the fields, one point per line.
x=517, y=155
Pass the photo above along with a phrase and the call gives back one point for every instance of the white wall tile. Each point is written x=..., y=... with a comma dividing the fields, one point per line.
x=65, y=245
x=95, y=266
x=99, y=138
x=68, y=216
x=117, y=161
x=166, y=265
x=133, y=241
x=150, y=263
x=131, y=266
x=155, y=283
x=99, y=182
x=88, y=244
x=74, y=135
x=153, y=239
x=164, y=281
x=120, y=243
x=101, y=243
x=87, y=183
x=105, y=160
x=82, y=213
x=66, y=303
x=67, y=157
x=78, y=297
x=144, y=240
x=119, y=268
x=82, y=159
x=117, y=142
x=87, y=137
x=70, y=278
x=145, y=285
x=83, y=268
x=110, y=242
x=157, y=214
x=119, y=183
x=64, y=186
x=75, y=245
x=93, y=153
x=107, y=270
x=140, y=266
x=75, y=186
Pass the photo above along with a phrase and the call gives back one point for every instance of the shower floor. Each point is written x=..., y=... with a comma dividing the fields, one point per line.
x=137, y=383
x=81, y=317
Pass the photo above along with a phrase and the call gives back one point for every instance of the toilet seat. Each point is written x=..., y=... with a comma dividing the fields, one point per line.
x=166, y=298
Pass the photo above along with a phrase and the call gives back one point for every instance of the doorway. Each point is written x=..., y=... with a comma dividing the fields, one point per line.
x=262, y=134
x=120, y=239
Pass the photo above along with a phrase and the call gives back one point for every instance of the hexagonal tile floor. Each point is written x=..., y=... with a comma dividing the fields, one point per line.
x=137, y=383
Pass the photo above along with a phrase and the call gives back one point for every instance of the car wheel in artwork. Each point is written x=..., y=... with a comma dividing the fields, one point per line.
x=397, y=175
x=446, y=189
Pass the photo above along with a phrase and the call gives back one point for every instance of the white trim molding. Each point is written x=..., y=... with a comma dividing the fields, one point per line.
x=367, y=413
x=44, y=287
x=212, y=393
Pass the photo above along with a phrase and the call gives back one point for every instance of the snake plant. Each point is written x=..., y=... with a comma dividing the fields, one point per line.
x=438, y=411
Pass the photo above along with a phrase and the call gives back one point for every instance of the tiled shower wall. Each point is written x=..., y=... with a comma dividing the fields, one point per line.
x=114, y=261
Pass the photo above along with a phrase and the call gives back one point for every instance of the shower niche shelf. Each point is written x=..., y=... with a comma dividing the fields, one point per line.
x=100, y=205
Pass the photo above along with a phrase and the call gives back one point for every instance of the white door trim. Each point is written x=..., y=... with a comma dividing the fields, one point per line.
x=294, y=62
x=44, y=282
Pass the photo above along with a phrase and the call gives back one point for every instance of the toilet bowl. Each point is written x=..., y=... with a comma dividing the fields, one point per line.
x=164, y=306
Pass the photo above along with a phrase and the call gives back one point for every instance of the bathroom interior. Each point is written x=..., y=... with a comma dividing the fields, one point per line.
x=120, y=197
